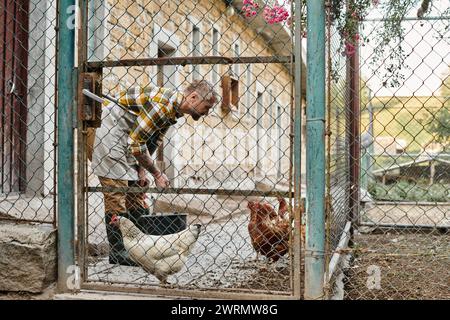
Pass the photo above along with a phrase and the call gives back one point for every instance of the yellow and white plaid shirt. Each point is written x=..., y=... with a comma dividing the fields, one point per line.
x=156, y=110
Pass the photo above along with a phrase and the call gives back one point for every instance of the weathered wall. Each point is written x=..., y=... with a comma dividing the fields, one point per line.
x=41, y=92
x=27, y=257
x=222, y=142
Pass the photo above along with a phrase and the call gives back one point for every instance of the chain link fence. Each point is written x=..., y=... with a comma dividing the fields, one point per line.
x=399, y=240
x=230, y=171
x=229, y=201
x=27, y=111
x=339, y=119
x=339, y=122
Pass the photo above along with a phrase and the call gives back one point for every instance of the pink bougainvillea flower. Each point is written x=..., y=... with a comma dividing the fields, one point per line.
x=350, y=49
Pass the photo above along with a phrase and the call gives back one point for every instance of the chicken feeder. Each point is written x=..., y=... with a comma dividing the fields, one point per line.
x=163, y=224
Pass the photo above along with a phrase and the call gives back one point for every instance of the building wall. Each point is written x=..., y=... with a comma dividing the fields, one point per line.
x=41, y=92
x=222, y=146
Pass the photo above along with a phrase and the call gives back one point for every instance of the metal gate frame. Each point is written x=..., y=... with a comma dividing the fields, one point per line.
x=13, y=100
x=67, y=121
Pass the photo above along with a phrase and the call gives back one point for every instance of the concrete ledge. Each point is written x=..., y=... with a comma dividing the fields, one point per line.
x=101, y=295
x=28, y=258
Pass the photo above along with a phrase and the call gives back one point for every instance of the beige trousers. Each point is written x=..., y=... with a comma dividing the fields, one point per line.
x=120, y=202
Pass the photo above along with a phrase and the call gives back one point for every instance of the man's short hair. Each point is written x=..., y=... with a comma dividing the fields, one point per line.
x=204, y=88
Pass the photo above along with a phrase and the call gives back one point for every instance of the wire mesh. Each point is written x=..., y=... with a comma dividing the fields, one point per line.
x=27, y=111
x=224, y=168
x=399, y=248
x=339, y=127
x=338, y=123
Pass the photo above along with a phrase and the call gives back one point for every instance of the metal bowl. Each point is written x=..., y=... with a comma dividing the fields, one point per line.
x=163, y=224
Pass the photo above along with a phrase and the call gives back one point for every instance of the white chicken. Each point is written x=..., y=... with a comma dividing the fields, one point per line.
x=160, y=256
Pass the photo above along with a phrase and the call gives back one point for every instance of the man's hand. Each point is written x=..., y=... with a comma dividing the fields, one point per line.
x=143, y=180
x=146, y=162
x=161, y=180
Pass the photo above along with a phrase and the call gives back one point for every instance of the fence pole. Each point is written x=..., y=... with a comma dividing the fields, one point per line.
x=66, y=192
x=353, y=113
x=315, y=151
x=298, y=142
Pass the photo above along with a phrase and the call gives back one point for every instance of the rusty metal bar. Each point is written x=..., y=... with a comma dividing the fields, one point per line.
x=81, y=198
x=221, y=192
x=296, y=147
x=203, y=294
x=166, y=61
x=354, y=134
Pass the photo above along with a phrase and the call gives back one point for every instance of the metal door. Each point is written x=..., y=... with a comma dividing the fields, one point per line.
x=13, y=93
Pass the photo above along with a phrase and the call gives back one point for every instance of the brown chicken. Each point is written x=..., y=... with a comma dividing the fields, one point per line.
x=269, y=231
x=283, y=209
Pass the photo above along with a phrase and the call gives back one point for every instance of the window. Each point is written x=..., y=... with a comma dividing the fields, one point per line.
x=197, y=143
x=237, y=52
x=271, y=106
x=161, y=81
x=226, y=145
x=236, y=144
x=195, y=51
x=230, y=93
x=279, y=136
x=271, y=130
x=259, y=128
x=249, y=86
x=215, y=52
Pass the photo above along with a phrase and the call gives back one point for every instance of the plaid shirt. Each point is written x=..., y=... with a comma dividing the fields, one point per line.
x=156, y=110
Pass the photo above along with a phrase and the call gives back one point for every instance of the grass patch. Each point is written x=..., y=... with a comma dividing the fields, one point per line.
x=408, y=191
x=404, y=118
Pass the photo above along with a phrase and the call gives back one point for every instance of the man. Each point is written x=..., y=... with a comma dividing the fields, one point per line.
x=130, y=133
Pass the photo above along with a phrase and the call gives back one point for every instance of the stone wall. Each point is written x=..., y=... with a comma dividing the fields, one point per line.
x=223, y=141
x=28, y=258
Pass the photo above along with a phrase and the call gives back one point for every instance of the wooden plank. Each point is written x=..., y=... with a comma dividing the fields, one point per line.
x=20, y=98
x=402, y=165
x=9, y=63
x=414, y=228
x=2, y=85
x=15, y=108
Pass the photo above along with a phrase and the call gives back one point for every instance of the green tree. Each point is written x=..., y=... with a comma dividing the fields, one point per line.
x=439, y=124
x=445, y=89
x=364, y=93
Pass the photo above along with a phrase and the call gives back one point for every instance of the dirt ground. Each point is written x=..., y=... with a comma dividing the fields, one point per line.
x=223, y=258
x=48, y=294
x=412, y=266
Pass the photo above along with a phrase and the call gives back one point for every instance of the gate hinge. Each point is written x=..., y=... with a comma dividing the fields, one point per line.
x=89, y=110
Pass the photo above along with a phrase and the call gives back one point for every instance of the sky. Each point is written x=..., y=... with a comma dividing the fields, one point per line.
x=428, y=62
